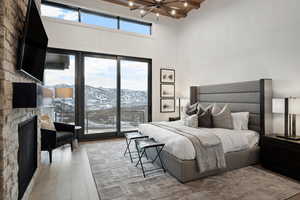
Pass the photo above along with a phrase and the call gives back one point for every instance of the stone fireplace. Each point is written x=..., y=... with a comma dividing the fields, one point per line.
x=12, y=16
x=27, y=154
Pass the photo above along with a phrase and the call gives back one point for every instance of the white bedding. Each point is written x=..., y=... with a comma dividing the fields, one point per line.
x=182, y=148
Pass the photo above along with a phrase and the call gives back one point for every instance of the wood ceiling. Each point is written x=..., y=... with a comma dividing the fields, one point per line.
x=163, y=7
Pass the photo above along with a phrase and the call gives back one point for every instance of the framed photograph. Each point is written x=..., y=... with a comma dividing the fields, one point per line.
x=167, y=105
x=167, y=91
x=167, y=75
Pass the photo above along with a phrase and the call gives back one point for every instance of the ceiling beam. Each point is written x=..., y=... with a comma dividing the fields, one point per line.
x=118, y=2
x=194, y=4
x=181, y=11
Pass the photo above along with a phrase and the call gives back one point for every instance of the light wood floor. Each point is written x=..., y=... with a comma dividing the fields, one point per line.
x=69, y=177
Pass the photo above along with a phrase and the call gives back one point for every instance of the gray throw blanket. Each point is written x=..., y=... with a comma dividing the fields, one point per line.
x=208, y=147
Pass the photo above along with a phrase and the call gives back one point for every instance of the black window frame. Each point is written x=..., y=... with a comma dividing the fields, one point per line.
x=100, y=15
x=118, y=18
x=135, y=22
x=80, y=88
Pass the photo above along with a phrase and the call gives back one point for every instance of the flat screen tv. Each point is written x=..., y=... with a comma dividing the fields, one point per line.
x=33, y=44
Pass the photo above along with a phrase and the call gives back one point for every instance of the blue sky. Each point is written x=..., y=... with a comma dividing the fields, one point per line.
x=100, y=72
x=88, y=18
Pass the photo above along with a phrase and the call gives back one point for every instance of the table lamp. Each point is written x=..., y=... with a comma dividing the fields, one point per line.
x=294, y=110
x=182, y=101
x=63, y=93
x=290, y=107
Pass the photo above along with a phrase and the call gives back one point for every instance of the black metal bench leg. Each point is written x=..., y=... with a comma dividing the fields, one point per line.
x=140, y=161
x=128, y=149
x=140, y=155
x=146, y=155
x=158, y=154
x=127, y=145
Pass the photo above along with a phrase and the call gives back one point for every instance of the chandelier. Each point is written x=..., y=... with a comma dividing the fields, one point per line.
x=170, y=8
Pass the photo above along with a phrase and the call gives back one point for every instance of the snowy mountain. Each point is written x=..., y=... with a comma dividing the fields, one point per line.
x=96, y=98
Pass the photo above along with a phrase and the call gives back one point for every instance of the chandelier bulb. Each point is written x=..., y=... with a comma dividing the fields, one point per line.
x=130, y=3
x=173, y=12
x=185, y=4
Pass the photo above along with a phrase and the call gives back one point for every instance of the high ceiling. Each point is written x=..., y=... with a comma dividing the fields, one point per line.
x=171, y=8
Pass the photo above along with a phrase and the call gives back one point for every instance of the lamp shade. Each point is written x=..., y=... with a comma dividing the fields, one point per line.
x=63, y=93
x=294, y=107
x=278, y=105
x=180, y=94
x=48, y=93
x=184, y=102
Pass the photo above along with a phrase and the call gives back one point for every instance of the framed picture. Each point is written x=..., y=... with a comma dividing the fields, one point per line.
x=167, y=91
x=167, y=105
x=167, y=75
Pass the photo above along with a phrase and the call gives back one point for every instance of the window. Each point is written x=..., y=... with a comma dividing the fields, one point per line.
x=59, y=12
x=136, y=27
x=100, y=20
x=134, y=94
x=60, y=87
x=100, y=94
x=112, y=94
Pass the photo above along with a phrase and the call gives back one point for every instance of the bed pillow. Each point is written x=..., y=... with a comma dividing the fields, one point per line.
x=205, y=118
x=191, y=121
x=240, y=120
x=191, y=109
x=202, y=107
x=222, y=117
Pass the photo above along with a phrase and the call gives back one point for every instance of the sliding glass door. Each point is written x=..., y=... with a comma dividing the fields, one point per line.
x=100, y=92
x=134, y=94
x=116, y=94
x=106, y=95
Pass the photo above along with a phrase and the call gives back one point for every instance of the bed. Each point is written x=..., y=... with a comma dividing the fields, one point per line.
x=241, y=148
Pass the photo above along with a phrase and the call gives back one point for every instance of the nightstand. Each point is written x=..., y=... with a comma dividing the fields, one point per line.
x=281, y=155
x=171, y=119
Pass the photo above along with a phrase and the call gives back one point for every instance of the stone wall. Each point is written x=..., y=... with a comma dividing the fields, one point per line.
x=12, y=16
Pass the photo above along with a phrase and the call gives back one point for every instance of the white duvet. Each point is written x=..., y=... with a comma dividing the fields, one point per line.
x=182, y=148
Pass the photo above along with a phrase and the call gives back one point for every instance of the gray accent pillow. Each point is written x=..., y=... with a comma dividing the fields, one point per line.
x=191, y=121
x=191, y=109
x=222, y=117
x=205, y=118
x=201, y=107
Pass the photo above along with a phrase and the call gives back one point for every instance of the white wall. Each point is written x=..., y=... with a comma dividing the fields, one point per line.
x=161, y=46
x=223, y=41
x=229, y=41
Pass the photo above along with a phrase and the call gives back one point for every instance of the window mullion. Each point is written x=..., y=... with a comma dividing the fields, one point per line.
x=118, y=18
x=79, y=14
x=118, y=95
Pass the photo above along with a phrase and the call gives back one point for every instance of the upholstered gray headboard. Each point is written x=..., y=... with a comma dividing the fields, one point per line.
x=252, y=96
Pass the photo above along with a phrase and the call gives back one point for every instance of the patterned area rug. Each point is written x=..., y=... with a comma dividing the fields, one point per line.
x=118, y=179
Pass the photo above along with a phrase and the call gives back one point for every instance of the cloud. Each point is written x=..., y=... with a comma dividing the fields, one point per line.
x=59, y=13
